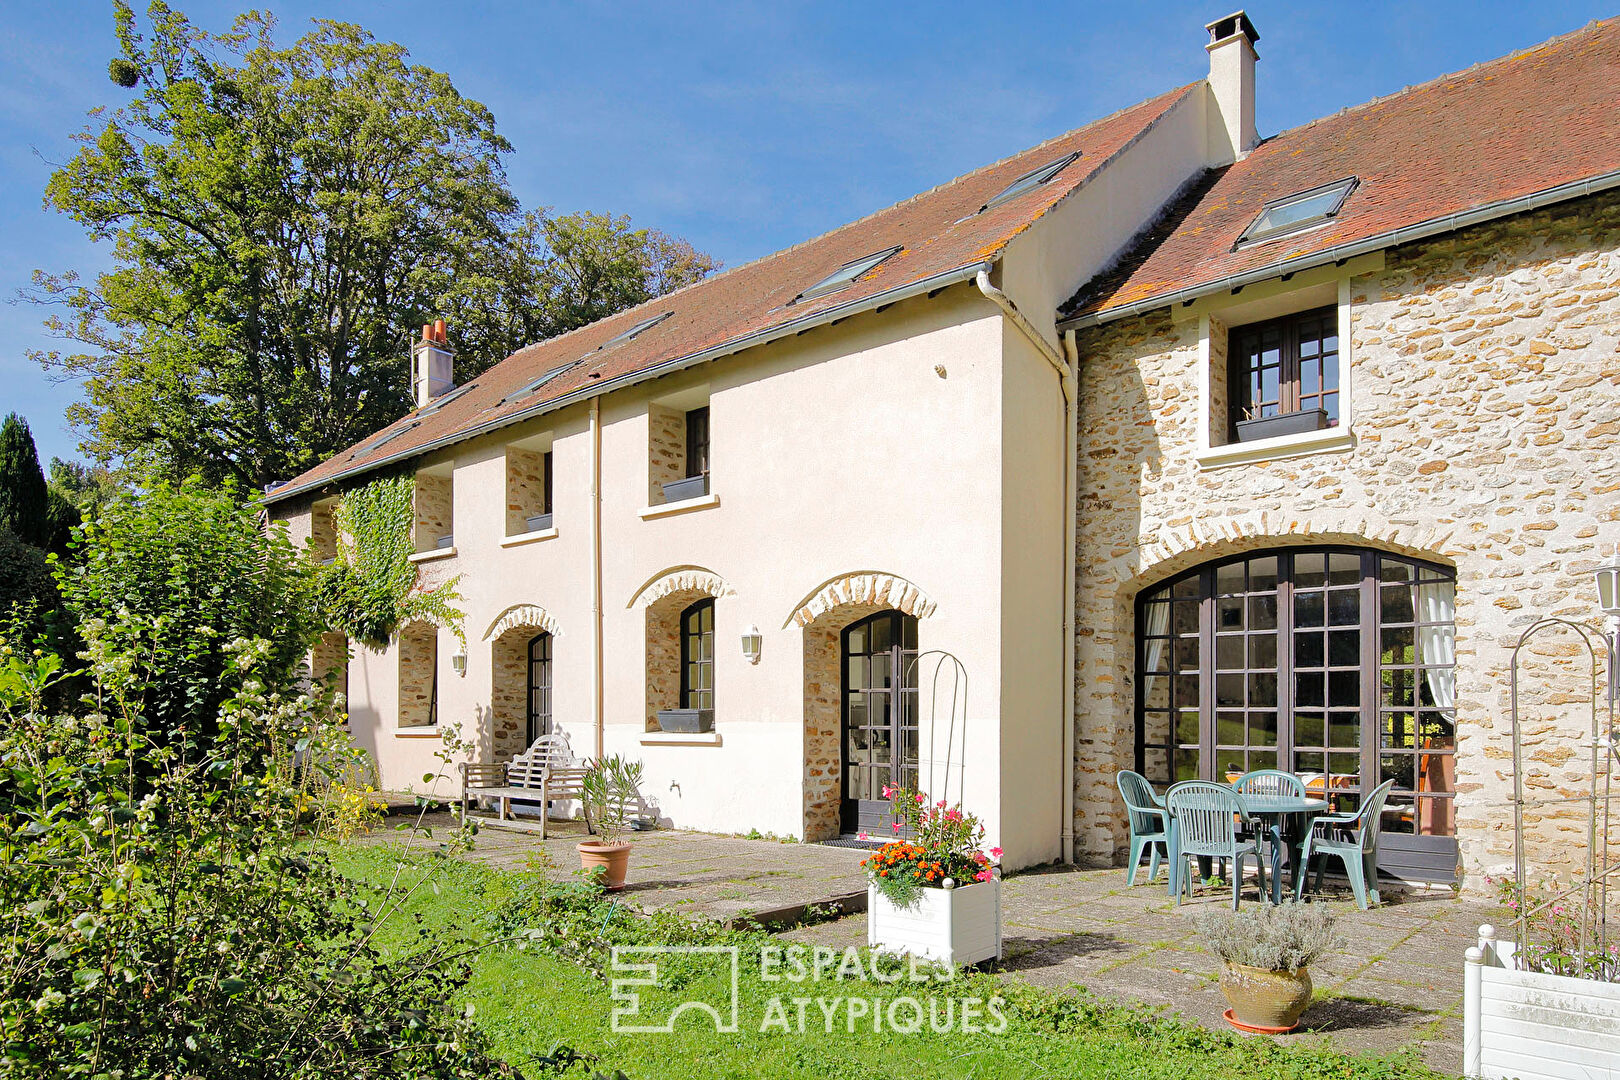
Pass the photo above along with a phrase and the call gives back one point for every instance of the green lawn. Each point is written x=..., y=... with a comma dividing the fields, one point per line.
x=531, y=1001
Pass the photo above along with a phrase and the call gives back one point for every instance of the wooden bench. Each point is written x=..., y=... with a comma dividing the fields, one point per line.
x=545, y=771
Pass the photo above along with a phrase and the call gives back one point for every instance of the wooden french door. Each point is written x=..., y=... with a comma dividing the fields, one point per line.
x=879, y=718
x=539, y=688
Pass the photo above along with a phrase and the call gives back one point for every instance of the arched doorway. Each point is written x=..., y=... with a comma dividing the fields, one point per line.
x=1336, y=663
x=879, y=717
x=539, y=696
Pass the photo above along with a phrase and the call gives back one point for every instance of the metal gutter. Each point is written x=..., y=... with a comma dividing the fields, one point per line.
x=759, y=337
x=1406, y=234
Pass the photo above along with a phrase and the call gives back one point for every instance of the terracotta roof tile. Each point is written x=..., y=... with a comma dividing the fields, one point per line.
x=937, y=231
x=1511, y=127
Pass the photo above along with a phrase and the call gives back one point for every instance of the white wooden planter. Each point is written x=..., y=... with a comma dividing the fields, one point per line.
x=1533, y=1026
x=955, y=926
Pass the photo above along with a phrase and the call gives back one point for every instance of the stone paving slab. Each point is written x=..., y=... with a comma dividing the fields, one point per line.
x=1398, y=984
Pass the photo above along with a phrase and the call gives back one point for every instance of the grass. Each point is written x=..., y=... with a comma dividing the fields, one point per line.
x=531, y=1001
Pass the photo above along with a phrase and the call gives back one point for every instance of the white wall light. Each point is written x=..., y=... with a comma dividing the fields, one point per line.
x=752, y=641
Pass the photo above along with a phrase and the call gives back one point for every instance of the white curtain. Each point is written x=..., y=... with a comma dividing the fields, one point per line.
x=1154, y=628
x=1436, y=603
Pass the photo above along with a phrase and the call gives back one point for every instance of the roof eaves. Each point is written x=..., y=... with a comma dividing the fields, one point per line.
x=775, y=332
x=1419, y=230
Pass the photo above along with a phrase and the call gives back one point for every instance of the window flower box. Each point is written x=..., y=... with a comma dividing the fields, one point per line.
x=950, y=926
x=1267, y=427
x=693, y=487
x=686, y=721
x=537, y=522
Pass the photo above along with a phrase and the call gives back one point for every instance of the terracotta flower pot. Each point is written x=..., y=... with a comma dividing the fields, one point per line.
x=613, y=858
x=1265, y=1000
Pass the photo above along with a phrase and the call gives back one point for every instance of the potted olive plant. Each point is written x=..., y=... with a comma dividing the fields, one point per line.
x=607, y=792
x=1268, y=952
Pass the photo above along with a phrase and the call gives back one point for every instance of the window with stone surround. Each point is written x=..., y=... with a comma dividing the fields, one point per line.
x=529, y=487
x=322, y=531
x=329, y=662
x=419, y=676
x=432, y=509
x=1284, y=375
x=678, y=449
x=1333, y=663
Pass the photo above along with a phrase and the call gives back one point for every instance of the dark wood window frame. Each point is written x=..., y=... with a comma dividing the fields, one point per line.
x=539, y=684
x=1264, y=666
x=545, y=481
x=1308, y=374
x=697, y=627
x=697, y=442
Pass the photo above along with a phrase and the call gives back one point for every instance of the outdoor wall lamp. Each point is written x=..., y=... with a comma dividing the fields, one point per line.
x=458, y=663
x=751, y=643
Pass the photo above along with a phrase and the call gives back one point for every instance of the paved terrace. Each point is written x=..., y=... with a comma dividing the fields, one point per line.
x=1398, y=983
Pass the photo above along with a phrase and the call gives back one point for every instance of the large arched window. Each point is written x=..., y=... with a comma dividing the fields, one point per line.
x=1333, y=663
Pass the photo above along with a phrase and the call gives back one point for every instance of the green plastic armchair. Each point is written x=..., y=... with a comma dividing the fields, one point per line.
x=1147, y=820
x=1204, y=820
x=1351, y=838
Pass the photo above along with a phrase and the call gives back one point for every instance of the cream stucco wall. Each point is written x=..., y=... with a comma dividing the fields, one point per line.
x=906, y=444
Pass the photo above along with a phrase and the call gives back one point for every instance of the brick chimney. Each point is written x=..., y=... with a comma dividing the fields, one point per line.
x=432, y=364
x=1230, y=125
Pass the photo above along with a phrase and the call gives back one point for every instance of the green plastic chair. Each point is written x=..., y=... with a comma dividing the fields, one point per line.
x=1149, y=826
x=1205, y=818
x=1353, y=839
x=1270, y=782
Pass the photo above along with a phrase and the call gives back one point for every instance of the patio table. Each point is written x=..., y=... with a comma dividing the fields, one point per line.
x=1281, y=815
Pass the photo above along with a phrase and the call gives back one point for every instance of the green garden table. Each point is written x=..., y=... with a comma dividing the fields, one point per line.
x=1283, y=816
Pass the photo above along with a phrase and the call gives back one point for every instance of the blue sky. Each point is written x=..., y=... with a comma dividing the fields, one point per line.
x=743, y=127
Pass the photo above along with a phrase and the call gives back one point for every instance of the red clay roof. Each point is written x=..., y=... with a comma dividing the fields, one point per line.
x=937, y=231
x=1508, y=128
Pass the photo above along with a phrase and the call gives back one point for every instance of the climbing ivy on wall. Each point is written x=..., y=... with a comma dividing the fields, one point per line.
x=371, y=589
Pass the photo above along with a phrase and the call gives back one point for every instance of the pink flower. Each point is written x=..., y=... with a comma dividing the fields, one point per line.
x=982, y=875
x=995, y=853
x=940, y=805
x=920, y=800
x=887, y=791
x=897, y=826
x=862, y=836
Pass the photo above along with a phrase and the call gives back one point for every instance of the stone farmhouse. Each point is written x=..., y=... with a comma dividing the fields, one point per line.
x=1160, y=445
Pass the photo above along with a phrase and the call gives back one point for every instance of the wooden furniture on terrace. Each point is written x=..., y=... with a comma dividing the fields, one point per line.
x=545, y=771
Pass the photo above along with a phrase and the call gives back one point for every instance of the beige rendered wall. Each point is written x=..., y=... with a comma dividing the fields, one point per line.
x=871, y=447
x=1486, y=437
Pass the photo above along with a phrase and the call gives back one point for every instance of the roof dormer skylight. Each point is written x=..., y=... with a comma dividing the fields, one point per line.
x=538, y=381
x=644, y=324
x=382, y=440
x=845, y=275
x=1030, y=180
x=444, y=399
x=1298, y=211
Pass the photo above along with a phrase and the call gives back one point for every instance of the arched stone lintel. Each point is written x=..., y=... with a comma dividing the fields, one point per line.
x=530, y=615
x=681, y=579
x=1169, y=550
x=873, y=588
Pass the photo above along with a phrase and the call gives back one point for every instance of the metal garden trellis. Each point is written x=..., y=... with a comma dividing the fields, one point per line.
x=1601, y=870
x=954, y=736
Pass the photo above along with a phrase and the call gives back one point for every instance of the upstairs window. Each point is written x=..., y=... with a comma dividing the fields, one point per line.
x=845, y=275
x=1285, y=375
x=1299, y=211
x=697, y=656
x=697, y=442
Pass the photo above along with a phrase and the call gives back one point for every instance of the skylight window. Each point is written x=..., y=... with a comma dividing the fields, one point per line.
x=381, y=441
x=1300, y=211
x=845, y=275
x=536, y=383
x=1030, y=180
x=444, y=399
x=644, y=324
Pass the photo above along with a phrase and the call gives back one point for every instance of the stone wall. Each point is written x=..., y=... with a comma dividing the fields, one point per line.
x=1486, y=426
x=418, y=658
x=666, y=450
x=525, y=488
x=322, y=531
x=509, y=693
x=823, y=711
x=431, y=510
x=664, y=651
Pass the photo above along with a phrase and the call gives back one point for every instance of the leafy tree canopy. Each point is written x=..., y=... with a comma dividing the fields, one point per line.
x=280, y=217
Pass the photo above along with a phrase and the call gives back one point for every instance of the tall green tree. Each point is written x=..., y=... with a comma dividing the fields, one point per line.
x=280, y=217
x=24, y=499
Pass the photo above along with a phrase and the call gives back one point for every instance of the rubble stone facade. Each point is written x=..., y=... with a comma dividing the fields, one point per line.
x=1486, y=427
